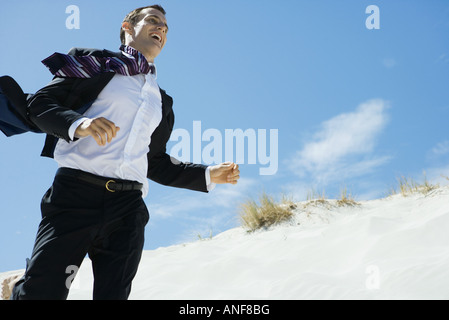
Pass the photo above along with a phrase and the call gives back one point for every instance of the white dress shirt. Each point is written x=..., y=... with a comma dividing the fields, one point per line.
x=134, y=104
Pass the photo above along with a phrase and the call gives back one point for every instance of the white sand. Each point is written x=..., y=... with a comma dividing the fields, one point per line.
x=393, y=248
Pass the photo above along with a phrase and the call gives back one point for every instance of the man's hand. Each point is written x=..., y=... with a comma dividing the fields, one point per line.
x=227, y=172
x=101, y=129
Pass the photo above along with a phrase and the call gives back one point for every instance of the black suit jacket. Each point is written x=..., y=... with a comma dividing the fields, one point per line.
x=55, y=107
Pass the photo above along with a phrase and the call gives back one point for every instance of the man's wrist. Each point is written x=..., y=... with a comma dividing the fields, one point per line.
x=74, y=126
x=210, y=185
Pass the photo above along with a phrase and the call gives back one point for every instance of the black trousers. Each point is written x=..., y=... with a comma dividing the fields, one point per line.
x=78, y=219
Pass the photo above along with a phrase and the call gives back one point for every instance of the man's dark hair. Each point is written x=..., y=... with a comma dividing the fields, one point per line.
x=133, y=16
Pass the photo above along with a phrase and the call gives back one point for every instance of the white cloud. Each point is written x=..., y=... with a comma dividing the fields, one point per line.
x=441, y=148
x=343, y=146
x=202, y=213
x=438, y=175
x=186, y=205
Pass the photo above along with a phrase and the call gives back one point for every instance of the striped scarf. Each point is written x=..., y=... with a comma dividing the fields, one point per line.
x=68, y=66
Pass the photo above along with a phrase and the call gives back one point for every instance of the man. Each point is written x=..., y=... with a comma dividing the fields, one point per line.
x=107, y=124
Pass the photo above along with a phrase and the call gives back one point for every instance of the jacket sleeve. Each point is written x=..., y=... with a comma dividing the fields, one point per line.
x=171, y=172
x=52, y=108
x=47, y=109
x=13, y=108
x=167, y=170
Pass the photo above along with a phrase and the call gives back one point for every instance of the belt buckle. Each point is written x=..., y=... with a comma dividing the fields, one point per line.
x=107, y=185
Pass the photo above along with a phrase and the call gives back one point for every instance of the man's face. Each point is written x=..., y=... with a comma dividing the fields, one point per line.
x=149, y=34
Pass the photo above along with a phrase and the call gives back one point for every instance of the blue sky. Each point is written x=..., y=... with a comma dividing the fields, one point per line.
x=351, y=106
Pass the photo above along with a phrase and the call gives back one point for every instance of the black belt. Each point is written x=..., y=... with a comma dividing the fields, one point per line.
x=111, y=184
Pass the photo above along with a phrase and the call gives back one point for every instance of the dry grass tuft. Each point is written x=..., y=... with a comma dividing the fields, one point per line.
x=407, y=186
x=255, y=216
x=316, y=198
x=346, y=199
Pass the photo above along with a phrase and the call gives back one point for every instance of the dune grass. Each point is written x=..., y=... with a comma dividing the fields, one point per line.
x=346, y=198
x=407, y=186
x=266, y=213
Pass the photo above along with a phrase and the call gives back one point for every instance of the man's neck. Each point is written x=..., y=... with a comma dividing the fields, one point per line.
x=149, y=58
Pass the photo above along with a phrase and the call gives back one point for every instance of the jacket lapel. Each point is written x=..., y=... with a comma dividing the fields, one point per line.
x=167, y=103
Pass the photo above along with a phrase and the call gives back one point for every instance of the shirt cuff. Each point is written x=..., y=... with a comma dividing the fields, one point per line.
x=209, y=184
x=74, y=126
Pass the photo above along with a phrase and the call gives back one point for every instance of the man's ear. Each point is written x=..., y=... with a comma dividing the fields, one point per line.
x=126, y=26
